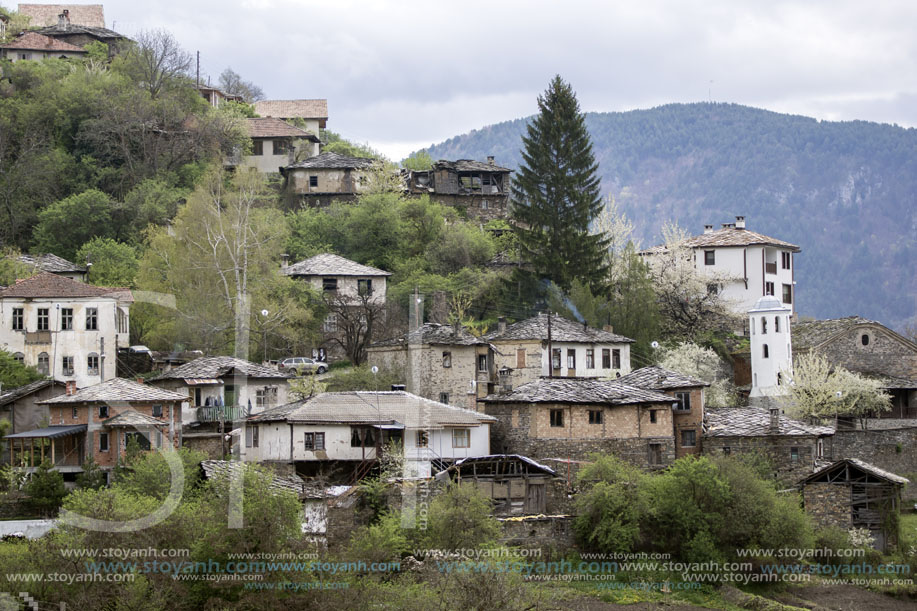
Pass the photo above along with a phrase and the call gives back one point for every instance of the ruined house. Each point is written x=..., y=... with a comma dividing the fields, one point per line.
x=319, y=180
x=480, y=190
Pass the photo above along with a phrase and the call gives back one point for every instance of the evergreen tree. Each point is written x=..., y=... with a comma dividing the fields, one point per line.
x=46, y=489
x=556, y=194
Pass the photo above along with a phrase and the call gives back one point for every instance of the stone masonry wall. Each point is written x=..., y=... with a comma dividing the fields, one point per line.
x=778, y=449
x=883, y=352
x=889, y=449
x=828, y=504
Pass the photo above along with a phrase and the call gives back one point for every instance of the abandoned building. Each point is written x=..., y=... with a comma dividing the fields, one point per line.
x=81, y=28
x=793, y=447
x=851, y=493
x=56, y=265
x=22, y=406
x=479, y=190
x=575, y=417
x=319, y=180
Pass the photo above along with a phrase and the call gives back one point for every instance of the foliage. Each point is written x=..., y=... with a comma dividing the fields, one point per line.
x=231, y=83
x=45, y=489
x=610, y=506
x=556, y=194
x=381, y=541
x=819, y=389
x=335, y=143
x=306, y=386
x=67, y=224
x=14, y=374
x=12, y=269
x=113, y=263
x=156, y=61
x=362, y=378
x=150, y=476
x=704, y=364
x=92, y=477
x=418, y=161
x=459, y=518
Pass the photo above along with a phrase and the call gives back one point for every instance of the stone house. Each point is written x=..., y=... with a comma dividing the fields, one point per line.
x=688, y=413
x=319, y=180
x=22, y=406
x=275, y=145
x=439, y=362
x=35, y=46
x=868, y=348
x=794, y=448
x=69, y=330
x=346, y=431
x=521, y=350
x=311, y=115
x=480, y=190
x=574, y=417
x=81, y=34
x=747, y=265
x=851, y=493
x=55, y=265
x=100, y=420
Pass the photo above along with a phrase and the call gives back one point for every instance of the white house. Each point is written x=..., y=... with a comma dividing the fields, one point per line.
x=224, y=388
x=771, y=347
x=69, y=330
x=743, y=265
x=332, y=273
x=353, y=427
x=312, y=114
x=275, y=144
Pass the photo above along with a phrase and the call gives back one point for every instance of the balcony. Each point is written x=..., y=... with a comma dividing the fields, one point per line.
x=770, y=268
x=222, y=413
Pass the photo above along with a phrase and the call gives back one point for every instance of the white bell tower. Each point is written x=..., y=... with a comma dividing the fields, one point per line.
x=771, y=349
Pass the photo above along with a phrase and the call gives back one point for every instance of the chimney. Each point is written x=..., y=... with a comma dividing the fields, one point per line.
x=490, y=160
x=63, y=20
x=608, y=328
x=139, y=380
x=708, y=228
x=740, y=222
x=284, y=261
x=501, y=325
x=775, y=421
x=505, y=379
x=70, y=387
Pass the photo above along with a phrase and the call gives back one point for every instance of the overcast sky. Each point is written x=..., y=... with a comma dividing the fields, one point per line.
x=403, y=75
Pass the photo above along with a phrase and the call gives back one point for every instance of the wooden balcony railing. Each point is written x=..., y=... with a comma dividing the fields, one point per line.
x=770, y=268
x=219, y=413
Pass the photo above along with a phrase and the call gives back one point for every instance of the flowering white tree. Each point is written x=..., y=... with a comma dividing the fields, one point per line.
x=704, y=364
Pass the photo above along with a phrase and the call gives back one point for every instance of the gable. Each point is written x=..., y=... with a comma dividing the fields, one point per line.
x=872, y=349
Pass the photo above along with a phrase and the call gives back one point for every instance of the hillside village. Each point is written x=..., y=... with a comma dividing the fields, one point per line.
x=361, y=364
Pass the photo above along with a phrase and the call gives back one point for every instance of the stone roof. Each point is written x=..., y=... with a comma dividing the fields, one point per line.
x=290, y=109
x=40, y=15
x=579, y=390
x=118, y=390
x=755, y=422
x=863, y=466
x=328, y=264
x=275, y=128
x=809, y=334
x=562, y=330
x=366, y=407
x=468, y=165
x=434, y=333
x=333, y=161
x=726, y=237
x=73, y=29
x=23, y=391
x=209, y=367
x=226, y=468
x=133, y=418
x=657, y=378
x=52, y=263
x=47, y=284
x=33, y=41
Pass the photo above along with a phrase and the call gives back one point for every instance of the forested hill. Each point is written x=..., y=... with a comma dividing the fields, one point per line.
x=845, y=192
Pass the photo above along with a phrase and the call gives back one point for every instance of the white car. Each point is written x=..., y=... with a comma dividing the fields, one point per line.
x=302, y=364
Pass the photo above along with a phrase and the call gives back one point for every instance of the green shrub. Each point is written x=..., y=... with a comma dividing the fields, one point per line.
x=459, y=518
x=46, y=490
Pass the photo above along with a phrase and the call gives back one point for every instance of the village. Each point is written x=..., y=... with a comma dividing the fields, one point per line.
x=396, y=399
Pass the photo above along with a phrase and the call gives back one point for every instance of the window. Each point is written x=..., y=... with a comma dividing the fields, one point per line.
x=103, y=411
x=19, y=357
x=447, y=359
x=158, y=439
x=485, y=204
x=787, y=293
x=198, y=397
x=688, y=439
x=768, y=288
x=157, y=411
x=616, y=358
x=266, y=397
x=331, y=323
x=92, y=319
x=24, y=56
x=281, y=147
x=103, y=442
x=763, y=326
x=590, y=358
x=794, y=453
x=92, y=364
x=520, y=358
x=257, y=147
x=779, y=379
x=329, y=285
x=709, y=257
x=606, y=358
x=864, y=339
x=776, y=324
x=66, y=319
x=461, y=438
x=313, y=441
x=362, y=437
x=18, y=320
x=571, y=358
x=555, y=358
x=365, y=286
x=557, y=417
x=313, y=181
x=423, y=439
x=44, y=364
x=820, y=449
x=66, y=364
x=43, y=318
x=251, y=436
x=727, y=450
x=75, y=413
x=595, y=416
x=767, y=354
x=655, y=454
x=785, y=260
x=444, y=397
x=653, y=418
x=684, y=401
x=482, y=362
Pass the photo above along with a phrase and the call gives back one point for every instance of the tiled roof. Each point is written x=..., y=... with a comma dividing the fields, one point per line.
x=562, y=330
x=657, y=378
x=275, y=128
x=33, y=41
x=23, y=391
x=468, y=165
x=133, y=418
x=327, y=264
x=72, y=29
x=374, y=408
x=80, y=14
x=118, y=390
x=434, y=333
x=728, y=236
x=579, y=390
x=863, y=466
x=218, y=367
x=333, y=161
x=226, y=468
x=47, y=284
x=290, y=109
x=754, y=422
x=51, y=263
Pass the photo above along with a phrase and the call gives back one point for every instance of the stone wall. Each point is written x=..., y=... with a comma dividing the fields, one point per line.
x=777, y=448
x=552, y=534
x=884, y=352
x=889, y=449
x=828, y=504
x=208, y=443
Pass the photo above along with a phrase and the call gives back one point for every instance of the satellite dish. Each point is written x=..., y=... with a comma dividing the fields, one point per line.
x=654, y=344
x=375, y=370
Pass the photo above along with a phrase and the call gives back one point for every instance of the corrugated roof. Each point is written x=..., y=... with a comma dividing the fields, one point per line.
x=434, y=333
x=49, y=432
x=117, y=390
x=657, y=378
x=51, y=263
x=33, y=41
x=47, y=284
x=328, y=264
x=755, y=422
x=208, y=367
x=40, y=15
x=579, y=390
x=333, y=161
x=365, y=407
x=562, y=330
x=291, y=109
x=275, y=128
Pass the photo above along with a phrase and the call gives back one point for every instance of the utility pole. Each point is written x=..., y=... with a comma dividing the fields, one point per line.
x=198, y=69
x=550, y=349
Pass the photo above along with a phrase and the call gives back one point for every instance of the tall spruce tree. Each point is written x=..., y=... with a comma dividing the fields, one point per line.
x=556, y=194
